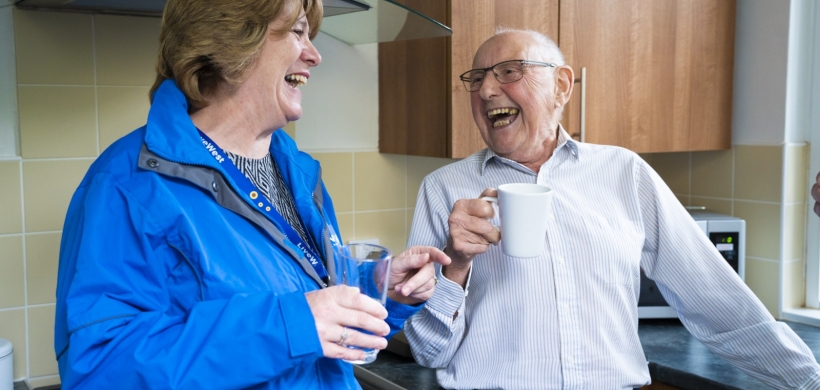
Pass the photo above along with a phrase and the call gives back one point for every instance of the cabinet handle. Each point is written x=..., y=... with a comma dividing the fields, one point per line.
x=583, y=104
x=583, y=80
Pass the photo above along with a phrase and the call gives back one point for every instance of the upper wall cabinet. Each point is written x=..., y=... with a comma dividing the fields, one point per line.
x=657, y=75
x=651, y=76
x=423, y=107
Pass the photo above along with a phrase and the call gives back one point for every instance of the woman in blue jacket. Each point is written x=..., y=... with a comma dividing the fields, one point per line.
x=198, y=250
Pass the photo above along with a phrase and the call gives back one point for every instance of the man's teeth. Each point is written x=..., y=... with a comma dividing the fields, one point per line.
x=504, y=111
x=502, y=122
x=296, y=79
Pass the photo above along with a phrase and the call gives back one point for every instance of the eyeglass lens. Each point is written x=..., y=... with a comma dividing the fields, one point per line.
x=505, y=72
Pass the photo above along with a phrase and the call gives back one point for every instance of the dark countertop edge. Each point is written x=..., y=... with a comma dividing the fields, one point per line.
x=21, y=385
x=684, y=379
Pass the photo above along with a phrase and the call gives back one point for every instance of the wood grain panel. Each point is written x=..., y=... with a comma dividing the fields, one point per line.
x=658, y=72
x=413, y=93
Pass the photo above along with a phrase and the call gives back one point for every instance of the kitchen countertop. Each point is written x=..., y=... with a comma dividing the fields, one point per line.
x=675, y=358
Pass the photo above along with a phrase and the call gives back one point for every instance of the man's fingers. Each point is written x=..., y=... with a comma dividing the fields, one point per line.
x=489, y=192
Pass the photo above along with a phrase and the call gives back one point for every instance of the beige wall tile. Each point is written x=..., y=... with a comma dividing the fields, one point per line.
x=763, y=277
x=758, y=172
x=797, y=171
x=712, y=174
x=126, y=49
x=387, y=226
x=794, y=295
x=57, y=121
x=48, y=187
x=722, y=206
x=379, y=181
x=673, y=168
x=43, y=381
x=42, y=258
x=290, y=128
x=345, y=221
x=12, y=288
x=408, y=215
x=11, y=209
x=685, y=200
x=13, y=328
x=41, y=341
x=417, y=169
x=762, y=228
x=337, y=173
x=53, y=48
x=121, y=110
x=794, y=231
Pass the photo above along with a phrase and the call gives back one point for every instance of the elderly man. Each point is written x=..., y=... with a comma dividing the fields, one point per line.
x=568, y=319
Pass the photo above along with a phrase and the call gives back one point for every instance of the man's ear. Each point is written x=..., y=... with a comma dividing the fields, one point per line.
x=564, y=81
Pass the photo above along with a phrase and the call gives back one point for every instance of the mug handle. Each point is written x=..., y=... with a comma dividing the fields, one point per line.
x=494, y=201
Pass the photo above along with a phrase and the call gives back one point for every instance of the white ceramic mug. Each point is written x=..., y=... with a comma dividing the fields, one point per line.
x=523, y=209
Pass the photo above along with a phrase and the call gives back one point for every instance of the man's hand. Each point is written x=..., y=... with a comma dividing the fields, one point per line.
x=471, y=234
x=412, y=276
x=339, y=309
x=815, y=193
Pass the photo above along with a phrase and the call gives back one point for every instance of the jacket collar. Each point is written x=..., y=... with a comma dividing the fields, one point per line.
x=172, y=135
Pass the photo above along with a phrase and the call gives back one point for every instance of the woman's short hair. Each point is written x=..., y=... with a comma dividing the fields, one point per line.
x=206, y=42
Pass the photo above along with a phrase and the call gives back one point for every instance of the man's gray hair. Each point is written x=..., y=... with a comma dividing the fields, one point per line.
x=551, y=50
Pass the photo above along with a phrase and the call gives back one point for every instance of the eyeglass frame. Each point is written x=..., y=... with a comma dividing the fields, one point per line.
x=465, y=79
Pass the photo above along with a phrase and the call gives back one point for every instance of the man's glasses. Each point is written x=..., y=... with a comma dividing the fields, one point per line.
x=505, y=72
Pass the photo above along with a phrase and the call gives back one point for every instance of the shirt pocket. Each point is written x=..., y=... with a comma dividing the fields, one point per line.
x=613, y=249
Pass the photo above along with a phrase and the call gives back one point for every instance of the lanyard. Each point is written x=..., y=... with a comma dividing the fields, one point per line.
x=250, y=191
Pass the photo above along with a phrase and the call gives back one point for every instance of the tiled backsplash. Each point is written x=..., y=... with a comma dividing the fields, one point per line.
x=83, y=82
x=764, y=185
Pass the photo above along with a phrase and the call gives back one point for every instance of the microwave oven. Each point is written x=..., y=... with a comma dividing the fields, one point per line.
x=729, y=236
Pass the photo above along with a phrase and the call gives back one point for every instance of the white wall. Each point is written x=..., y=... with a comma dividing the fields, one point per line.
x=761, y=51
x=340, y=103
x=800, y=64
x=8, y=84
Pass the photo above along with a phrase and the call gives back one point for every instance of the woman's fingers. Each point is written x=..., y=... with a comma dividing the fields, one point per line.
x=342, y=316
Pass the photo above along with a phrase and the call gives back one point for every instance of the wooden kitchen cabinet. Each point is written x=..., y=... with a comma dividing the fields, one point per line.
x=658, y=73
x=424, y=109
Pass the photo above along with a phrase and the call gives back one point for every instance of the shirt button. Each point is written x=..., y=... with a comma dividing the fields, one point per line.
x=215, y=186
x=152, y=163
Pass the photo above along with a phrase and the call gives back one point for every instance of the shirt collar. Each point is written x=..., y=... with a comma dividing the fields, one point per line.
x=564, y=141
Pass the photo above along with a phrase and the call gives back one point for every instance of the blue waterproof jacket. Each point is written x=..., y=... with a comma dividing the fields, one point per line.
x=168, y=279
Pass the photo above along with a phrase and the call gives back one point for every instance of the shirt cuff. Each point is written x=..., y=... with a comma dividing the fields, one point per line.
x=449, y=296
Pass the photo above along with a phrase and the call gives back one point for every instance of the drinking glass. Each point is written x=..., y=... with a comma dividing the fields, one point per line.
x=367, y=267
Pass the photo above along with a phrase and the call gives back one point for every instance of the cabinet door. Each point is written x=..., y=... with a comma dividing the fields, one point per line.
x=658, y=72
x=414, y=93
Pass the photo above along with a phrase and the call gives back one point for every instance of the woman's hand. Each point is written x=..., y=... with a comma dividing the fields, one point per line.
x=339, y=309
x=412, y=276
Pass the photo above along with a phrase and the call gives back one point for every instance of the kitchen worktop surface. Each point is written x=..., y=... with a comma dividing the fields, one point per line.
x=675, y=358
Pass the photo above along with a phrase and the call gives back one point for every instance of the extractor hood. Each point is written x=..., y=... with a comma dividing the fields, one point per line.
x=383, y=22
